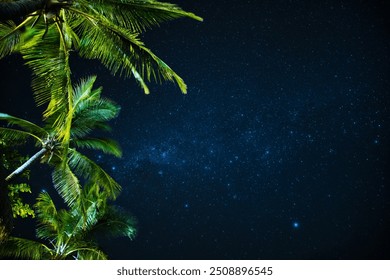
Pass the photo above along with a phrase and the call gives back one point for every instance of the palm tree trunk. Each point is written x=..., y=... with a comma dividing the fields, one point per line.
x=26, y=164
x=19, y=8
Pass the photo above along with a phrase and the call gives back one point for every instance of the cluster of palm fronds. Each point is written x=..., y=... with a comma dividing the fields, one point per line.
x=44, y=32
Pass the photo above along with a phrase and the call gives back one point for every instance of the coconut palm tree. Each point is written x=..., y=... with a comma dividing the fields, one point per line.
x=107, y=30
x=88, y=112
x=70, y=234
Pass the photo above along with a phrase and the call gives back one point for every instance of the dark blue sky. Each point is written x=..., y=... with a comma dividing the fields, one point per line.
x=280, y=147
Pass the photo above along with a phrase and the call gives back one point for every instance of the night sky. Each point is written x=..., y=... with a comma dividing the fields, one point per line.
x=278, y=151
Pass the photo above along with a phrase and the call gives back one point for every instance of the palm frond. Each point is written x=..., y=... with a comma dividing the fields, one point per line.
x=87, y=211
x=14, y=135
x=91, y=114
x=24, y=124
x=66, y=183
x=116, y=223
x=96, y=111
x=88, y=169
x=47, y=216
x=90, y=110
x=49, y=67
x=105, y=145
x=83, y=89
x=81, y=129
x=9, y=38
x=85, y=216
x=21, y=248
x=120, y=50
x=136, y=15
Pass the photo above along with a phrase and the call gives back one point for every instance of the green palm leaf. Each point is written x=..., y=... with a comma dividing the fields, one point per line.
x=88, y=169
x=10, y=38
x=24, y=124
x=66, y=183
x=116, y=223
x=89, y=116
x=13, y=135
x=138, y=15
x=47, y=215
x=83, y=91
x=50, y=68
x=105, y=145
x=89, y=107
x=120, y=50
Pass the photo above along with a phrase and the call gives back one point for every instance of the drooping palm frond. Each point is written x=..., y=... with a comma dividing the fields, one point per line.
x=10, y=135
x=138, y=15
x=50, y=68
x=121, y=51
x=29, y=130
x=66, y=183
x=10, y=38
x=103, y=220
x=24, y=124
x=105, y=145
x=47, y=216
x=116, y=223
x=88, y=169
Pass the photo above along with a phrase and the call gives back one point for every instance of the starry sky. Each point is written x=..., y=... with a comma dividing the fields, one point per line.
x=278, y=151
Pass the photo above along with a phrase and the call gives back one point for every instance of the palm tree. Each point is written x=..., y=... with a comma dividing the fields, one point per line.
x=107, y=30
x=70, y=234
x=88, y=112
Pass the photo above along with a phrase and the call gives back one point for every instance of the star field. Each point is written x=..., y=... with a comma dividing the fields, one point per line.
x=280, y=148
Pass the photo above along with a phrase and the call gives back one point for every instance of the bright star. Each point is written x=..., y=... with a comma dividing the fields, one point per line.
x=296, y=225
